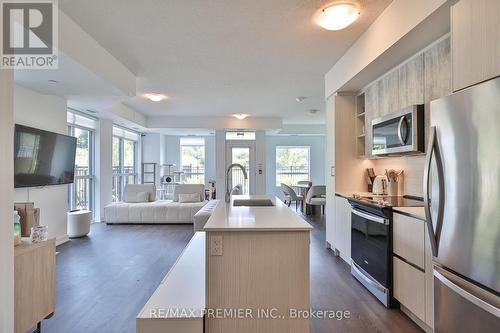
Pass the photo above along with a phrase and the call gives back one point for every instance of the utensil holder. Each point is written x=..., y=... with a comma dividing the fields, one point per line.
x=393, y=188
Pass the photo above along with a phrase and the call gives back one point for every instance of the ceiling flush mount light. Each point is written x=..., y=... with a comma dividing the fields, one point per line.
x=155, y=97
x=240, y=116
x=338, y=16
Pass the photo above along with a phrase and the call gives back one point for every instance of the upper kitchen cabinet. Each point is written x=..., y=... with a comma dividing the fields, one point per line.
x=389, y=94
x=371, y=112
x=437, y=68
x=411, y=82
x=475, y=34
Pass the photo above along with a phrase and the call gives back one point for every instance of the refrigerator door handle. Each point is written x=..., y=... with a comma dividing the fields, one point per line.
x=434, y=232
x=490, y=308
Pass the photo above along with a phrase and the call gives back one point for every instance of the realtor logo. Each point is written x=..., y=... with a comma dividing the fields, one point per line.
x=29, y=37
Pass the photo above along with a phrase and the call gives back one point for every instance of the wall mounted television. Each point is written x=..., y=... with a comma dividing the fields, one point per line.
x=42, y=158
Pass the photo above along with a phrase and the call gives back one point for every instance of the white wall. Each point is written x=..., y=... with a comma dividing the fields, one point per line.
x=317, y=158
x=46, y=112
x=151, y=152
x=170, y=153
x=6, y=202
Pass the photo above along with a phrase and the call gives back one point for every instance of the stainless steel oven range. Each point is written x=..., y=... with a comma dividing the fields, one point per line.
x=371, y=242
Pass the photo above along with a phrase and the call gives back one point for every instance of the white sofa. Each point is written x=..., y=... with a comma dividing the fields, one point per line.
x=202, y=216
x=155, y=211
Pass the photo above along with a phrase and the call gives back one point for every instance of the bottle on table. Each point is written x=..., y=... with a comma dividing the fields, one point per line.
x=17, y=228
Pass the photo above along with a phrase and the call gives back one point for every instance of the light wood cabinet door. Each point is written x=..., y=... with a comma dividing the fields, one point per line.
x=409, y=287
x=34, y=287
x=475, y=34
x=371, y=107
x=343, y=228
x=437, y=68
x=330, y=172
x=429, y=283
x=389, y=94
x=411, y=82
x=409, y=239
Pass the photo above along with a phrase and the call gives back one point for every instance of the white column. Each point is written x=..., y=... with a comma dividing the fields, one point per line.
x=220, y=163
x=6, y=202
x=260, y=162
x=104, y=167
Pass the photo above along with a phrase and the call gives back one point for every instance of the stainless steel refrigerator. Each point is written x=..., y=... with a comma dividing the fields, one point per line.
x=462, y=203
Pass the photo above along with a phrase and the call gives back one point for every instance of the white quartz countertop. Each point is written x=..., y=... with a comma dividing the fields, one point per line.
x=183, y=288
x=416, y=212
x=279, y=217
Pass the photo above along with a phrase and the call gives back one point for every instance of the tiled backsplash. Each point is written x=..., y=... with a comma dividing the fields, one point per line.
x=413, y=175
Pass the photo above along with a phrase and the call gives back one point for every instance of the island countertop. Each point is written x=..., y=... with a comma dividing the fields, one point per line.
x=279, y=217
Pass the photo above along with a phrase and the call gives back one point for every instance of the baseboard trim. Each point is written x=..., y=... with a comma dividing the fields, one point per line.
x=415, y=319
x=62, y=239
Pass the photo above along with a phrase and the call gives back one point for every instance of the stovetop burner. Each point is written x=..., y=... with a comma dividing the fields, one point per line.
x=390, y=201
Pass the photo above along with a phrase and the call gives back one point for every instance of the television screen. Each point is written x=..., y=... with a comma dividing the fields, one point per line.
x=42, y=158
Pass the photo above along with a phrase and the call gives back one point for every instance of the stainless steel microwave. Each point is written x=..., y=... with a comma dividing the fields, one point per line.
x=400, y=132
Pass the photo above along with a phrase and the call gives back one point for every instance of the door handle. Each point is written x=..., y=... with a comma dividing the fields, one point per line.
x=400, y=127
x=440, y=274
x=434, y=232
x=370, y=217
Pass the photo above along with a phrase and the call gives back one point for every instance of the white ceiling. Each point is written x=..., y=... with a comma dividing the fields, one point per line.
x=220, y=57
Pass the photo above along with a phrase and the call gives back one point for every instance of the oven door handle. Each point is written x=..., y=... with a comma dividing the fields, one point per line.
x=366, y=277
x=370, y=217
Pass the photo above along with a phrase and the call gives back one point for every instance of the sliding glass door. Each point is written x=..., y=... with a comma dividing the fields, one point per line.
x=81, y=192
x=125, y=170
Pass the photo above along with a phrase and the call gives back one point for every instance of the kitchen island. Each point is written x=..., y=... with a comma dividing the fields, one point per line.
x=257, y=268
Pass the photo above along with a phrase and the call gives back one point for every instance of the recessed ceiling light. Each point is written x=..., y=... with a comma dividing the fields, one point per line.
x=300, y=99
x=312, y=112
x=338, y=16
x=240, y=116
x=155, y=97
x=52, y=81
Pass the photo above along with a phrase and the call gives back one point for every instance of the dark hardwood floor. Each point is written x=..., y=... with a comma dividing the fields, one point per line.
x=334, y=288
x=104, y=280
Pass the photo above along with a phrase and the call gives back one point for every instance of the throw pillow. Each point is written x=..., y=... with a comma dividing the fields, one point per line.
x=189, y=197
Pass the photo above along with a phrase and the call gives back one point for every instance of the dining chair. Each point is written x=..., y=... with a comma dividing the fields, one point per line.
x=290, y=196
x=303, y=182
x=316, y=196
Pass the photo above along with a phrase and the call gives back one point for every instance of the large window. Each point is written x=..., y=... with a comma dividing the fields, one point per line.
x=125, y=170
x=193, y=160
x=292, y=164
x=81, y=192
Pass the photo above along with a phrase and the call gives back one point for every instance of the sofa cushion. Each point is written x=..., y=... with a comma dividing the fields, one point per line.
x=188, y=189
x=189, y=197
x=160, y=211
x=132, y=189
x=136, y=197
